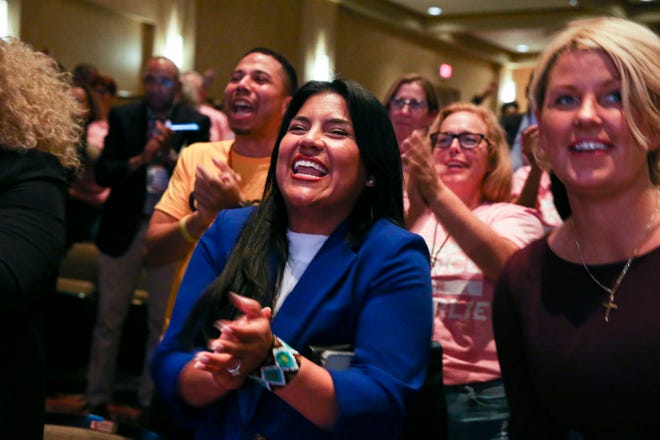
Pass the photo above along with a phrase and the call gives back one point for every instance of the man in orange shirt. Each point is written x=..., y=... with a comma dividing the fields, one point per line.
x=213, y=176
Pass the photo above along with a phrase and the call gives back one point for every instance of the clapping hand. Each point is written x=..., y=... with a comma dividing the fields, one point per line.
x=423, y=181
x=243, y=345
x=215, y=191
x=158, y=144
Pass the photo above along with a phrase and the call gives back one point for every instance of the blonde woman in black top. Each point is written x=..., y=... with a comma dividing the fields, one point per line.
x=576, y=314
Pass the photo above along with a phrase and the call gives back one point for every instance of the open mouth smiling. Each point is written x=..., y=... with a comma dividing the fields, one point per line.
x=241, y=106
x=589, y=146
x=304, y=167
x=455, y=164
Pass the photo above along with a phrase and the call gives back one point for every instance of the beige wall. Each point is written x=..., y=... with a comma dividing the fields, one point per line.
x=226, y=29
x=521, y=78
x=76, y=31
x=375, y=55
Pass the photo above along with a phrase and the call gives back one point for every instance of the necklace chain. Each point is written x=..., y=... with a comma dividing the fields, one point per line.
x=611, y=290
x=434, y=253
x=610, y=304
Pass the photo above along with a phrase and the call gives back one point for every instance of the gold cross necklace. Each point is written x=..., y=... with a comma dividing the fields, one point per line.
x=610, y=304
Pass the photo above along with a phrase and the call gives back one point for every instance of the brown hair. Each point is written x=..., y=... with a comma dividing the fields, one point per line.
x=414, y=78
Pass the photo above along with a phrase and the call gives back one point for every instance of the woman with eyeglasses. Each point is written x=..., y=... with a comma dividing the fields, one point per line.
x=459, y=180
x=411, y=104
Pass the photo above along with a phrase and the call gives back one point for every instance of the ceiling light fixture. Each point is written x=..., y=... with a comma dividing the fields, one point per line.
x=522, y=48
x=434, y=10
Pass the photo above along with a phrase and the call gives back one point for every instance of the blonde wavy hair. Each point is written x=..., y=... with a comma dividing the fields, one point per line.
x=635, y=51
x=37, y=107
x=496, y=185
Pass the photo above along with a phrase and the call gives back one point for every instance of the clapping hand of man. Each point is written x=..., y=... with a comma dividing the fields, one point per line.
x=216, y=190
x=159, y=144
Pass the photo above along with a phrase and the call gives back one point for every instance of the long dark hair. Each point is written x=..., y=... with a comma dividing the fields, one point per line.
x=261, y=251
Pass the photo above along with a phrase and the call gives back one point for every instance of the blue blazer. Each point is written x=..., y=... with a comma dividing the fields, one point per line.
x=376, y=298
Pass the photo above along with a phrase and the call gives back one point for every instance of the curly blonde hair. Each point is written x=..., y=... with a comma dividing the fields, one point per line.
x=496, y=185
x=37, y=107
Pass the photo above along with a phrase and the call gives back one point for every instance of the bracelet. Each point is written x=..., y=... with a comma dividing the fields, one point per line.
x=184, y=231
x=280, y=366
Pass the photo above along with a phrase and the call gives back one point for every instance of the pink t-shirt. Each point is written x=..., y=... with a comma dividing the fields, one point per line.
x=545, y=203
x=462, y=297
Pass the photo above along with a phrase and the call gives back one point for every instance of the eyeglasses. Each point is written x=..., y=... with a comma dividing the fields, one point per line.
x=158, y=81
x=413, y=104
x=466, y=140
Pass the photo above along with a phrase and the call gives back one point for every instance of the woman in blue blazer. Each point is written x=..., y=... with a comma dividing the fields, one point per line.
x=323, y=261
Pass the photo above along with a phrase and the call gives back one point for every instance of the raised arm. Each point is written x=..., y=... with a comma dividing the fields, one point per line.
x=488, y=249
x=530, y=191
x=174, y=227
x=121, y=156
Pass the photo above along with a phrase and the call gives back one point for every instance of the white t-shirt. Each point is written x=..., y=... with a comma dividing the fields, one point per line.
x=302, y=250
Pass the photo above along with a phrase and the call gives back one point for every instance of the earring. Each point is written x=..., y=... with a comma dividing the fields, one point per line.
x=371, y=181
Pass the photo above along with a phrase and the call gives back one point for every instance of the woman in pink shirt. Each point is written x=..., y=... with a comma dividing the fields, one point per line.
x=459, y=182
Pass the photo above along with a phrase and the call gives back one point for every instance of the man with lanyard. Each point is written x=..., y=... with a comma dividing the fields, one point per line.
x=140, y=151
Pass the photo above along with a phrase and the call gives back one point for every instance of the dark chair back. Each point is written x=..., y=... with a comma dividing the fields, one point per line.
x=427, y=418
